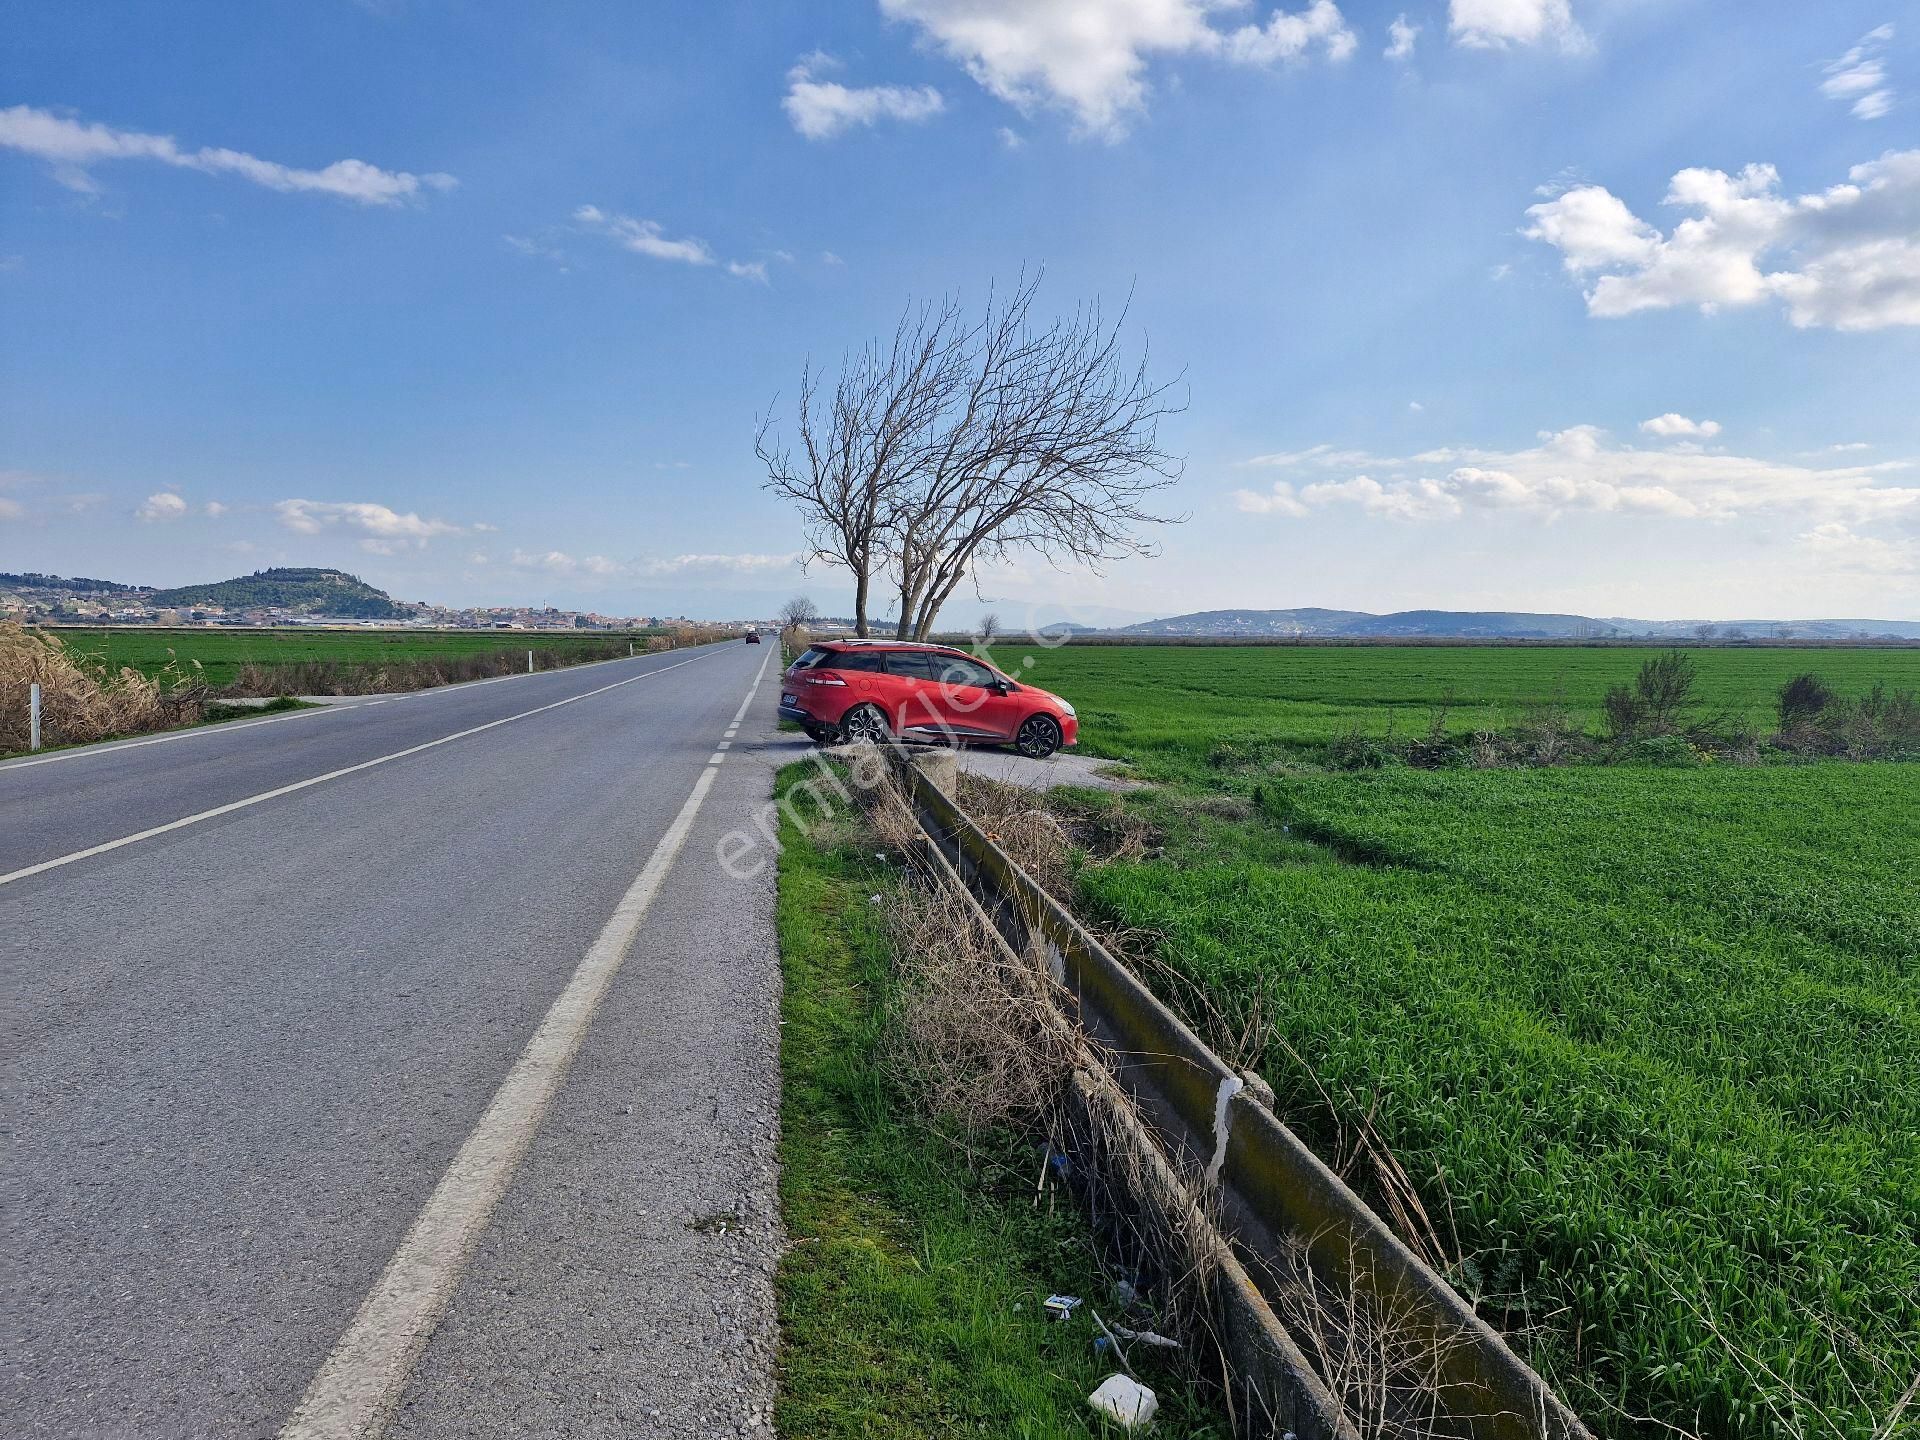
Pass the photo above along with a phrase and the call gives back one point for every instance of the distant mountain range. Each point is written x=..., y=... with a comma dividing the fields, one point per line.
x=1500, y=625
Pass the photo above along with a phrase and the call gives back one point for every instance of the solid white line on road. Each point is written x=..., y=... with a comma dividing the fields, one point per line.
x=82, y=752
x=275, y=794
x=361, y=1381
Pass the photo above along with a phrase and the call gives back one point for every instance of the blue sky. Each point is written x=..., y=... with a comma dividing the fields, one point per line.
x=481, y=301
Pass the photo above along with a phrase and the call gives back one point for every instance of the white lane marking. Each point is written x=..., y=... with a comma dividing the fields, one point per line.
x=275, y=794
x=716, y=759
x=362, y=1379
x=82, y=752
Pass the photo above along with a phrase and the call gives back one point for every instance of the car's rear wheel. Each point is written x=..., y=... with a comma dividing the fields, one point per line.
x=865, y=725
x=1039, y=737
x=819, y=734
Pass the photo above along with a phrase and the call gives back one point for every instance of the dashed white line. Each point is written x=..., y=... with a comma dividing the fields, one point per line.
x=364, y=1376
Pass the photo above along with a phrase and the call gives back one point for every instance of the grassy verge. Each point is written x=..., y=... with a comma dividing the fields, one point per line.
x=222, y=654
x=910, y=1297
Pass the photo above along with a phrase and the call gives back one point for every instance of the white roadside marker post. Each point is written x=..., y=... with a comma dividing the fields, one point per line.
x=33, y=716
x=529, y=662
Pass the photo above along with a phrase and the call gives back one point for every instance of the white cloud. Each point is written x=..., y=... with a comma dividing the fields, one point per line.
x=11, y=509
x=559, y=562
x=1581, y=470
x=1089, y=57
x=1400, y=37
x=745, y=564
x=644, y=237
x=71, y=146
x=599, y=567
x=821, y=109
x=827, y=257
x=160, y=507
x=648, y=238
x=1496, y=24
x=535, y=249
x=1010, y=138
x=1288, y=37
x=382, y=531
x=1278, y=499
x=1678, y=427
x=1837, y=546
x=215, y=509
x=1860, y=76
x=1849, y=255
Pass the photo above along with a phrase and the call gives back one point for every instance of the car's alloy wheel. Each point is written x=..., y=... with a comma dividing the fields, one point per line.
x=1039, y=737
x=865, y=725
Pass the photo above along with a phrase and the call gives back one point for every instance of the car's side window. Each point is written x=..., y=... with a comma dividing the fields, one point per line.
x=914, y=664
x=868, y=660
x=956, y=670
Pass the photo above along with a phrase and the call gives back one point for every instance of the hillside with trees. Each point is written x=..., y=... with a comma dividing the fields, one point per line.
x=306, y=592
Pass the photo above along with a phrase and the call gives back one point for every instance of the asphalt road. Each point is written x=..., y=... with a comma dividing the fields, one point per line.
x=433, y=1094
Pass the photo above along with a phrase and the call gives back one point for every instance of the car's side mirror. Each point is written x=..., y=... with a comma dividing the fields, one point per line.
x=1004, y=687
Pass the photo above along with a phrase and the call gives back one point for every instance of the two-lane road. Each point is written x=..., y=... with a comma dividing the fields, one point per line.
x=386, y=1067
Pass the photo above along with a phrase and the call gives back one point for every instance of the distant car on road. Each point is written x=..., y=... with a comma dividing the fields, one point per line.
x=879, y=689
x=753, y=637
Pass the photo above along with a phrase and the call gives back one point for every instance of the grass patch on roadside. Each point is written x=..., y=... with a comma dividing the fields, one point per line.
x=222, y=654
x=910, y=1295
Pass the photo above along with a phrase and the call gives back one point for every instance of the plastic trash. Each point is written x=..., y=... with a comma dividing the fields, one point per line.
x=1059, y=1307
x=1125, y=1401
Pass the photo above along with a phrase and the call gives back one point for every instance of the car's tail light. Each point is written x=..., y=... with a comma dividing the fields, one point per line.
x=824, y=680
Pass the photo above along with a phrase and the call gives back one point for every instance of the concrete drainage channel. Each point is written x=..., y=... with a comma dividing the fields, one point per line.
x=1195, y=1147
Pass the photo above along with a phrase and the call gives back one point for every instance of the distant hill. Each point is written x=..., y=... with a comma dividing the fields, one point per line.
x=1501, y=625
x=306, y=592
x=79, y=584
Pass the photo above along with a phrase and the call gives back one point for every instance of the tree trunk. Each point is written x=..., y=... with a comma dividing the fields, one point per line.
x=860, y=602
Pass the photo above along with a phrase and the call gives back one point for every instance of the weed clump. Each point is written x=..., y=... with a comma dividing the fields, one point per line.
x=80, y=702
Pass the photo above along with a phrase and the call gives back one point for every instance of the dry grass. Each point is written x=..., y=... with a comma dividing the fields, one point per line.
x=80, y=702
x=983, y=1035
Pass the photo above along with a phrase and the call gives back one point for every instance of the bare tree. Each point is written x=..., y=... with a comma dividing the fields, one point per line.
x=964, y=441
x=797, y=612
x=1053, y=449
x=988, y=630
x=860, y=446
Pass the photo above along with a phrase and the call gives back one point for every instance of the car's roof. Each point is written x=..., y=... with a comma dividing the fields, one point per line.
x=855, y=643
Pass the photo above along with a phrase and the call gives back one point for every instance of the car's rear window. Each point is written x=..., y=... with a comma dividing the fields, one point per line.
x=811, y=657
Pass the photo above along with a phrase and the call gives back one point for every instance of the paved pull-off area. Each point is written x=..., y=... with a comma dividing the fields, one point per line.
x=407, y=1067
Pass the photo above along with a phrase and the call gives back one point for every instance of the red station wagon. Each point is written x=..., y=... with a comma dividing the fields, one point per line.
x=878, y=689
